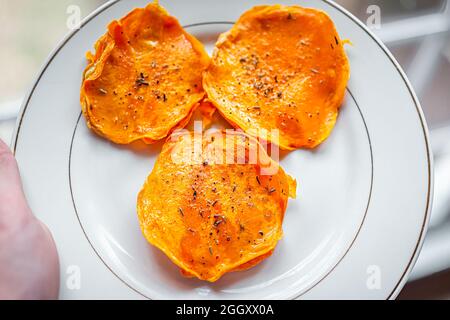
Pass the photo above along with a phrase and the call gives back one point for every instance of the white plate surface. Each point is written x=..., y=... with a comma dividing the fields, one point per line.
x=353, y=232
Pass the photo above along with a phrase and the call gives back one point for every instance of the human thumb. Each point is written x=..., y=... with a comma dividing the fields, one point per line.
x=13, y=206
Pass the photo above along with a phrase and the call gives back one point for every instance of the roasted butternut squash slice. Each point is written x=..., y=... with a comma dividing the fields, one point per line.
x=213, y=206
x=283, y=68
x=144, y=79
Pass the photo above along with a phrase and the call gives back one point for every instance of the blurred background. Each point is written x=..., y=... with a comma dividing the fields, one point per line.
x=416, y=31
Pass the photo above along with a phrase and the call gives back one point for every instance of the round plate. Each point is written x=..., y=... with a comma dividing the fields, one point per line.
x=354, y=230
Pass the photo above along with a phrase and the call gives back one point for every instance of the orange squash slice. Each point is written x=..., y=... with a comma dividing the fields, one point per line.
x=144, y=79
x=280, y=68
x=214, y=211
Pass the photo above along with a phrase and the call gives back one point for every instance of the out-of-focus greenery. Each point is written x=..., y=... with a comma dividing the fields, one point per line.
x=30, y=30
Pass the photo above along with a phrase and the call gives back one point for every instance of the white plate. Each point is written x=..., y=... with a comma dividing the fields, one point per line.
x=353, y=232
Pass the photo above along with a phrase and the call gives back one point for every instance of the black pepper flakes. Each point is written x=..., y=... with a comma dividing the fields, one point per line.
x=141, y=80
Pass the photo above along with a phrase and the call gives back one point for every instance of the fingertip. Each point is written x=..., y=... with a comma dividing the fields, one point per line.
x=8, y=165
x=13, y=206
x=4, y=147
